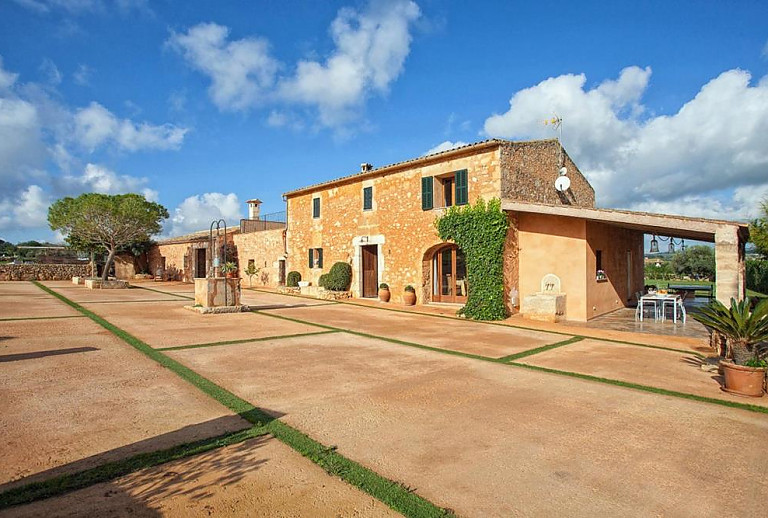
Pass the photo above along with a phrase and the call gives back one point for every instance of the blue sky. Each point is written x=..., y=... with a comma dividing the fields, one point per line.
x=204, y=105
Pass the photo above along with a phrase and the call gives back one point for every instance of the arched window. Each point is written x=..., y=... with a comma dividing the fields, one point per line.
x=449, y=274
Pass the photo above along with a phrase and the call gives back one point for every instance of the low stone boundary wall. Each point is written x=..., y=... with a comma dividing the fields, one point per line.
x=43, y=272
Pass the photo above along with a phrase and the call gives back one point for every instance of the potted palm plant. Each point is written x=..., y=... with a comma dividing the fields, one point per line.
x=384, y=293
x=229, y=269
x=746, y=332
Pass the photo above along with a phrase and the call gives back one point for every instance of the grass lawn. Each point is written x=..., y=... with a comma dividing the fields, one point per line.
x=664, y=284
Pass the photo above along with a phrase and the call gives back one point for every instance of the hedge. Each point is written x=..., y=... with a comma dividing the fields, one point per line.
x=339, y=278
x=293, y=279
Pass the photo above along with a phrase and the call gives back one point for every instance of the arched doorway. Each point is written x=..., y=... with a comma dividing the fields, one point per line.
x=449, y=275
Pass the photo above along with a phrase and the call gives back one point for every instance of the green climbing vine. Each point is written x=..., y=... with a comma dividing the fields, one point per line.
x=479, y=230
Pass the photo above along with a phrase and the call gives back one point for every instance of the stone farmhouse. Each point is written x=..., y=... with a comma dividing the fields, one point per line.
x=559, y=247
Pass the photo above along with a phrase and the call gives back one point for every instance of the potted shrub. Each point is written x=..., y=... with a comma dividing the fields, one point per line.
x=384, y=293
x=409, y=297
x=744, y=331
x=229, y=269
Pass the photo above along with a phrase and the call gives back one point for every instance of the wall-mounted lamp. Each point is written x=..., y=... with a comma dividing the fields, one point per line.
x=654, y=245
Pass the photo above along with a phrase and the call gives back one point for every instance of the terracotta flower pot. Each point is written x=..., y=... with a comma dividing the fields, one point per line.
x=409, y=298
x=384, y=295
x=742, y=380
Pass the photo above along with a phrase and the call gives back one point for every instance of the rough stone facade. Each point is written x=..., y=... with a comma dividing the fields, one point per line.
x=403, y=233
x=266, y=249
x=177, y=257
x=529, y=171
x=43, y=272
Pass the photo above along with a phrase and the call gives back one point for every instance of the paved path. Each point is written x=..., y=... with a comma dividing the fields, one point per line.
x=479, y=436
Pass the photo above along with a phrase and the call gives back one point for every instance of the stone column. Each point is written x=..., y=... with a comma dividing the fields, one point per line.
x=729, y=265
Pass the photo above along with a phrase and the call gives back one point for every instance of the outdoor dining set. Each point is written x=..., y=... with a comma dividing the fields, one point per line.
x=661, y=305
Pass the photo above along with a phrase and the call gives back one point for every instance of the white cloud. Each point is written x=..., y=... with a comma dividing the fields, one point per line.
x=444, y=146
x=242, y=72
x=370, y=50
x=98, y=178
x=196, y=212
x=370, y=47
x=7, y=79
x=95, y=125
x=82, y=76
x=690, y=161
x=21, y=145
x=50, y=71
x=71, y=6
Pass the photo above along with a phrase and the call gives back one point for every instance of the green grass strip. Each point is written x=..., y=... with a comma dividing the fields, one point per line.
x=160, y=291
x=377, y=337
x=39, y=318
x=538, y=350
x=112, y=470
x=485, y=322
x=506, y=361
x=645, y=388
x=397, y=496
x=243, y=341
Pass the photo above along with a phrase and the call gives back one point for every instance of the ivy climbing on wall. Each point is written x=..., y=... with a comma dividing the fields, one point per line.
x=479, y=230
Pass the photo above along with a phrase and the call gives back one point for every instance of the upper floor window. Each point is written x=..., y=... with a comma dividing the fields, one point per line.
x=315, y=257
x=444, y=190
x=315, y=207
x=368, y=198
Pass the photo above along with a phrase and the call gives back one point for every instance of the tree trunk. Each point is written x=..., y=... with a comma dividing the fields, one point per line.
x=110, y=258
x=740, y=352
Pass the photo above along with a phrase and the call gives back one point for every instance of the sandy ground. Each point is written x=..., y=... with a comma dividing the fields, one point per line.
x=670, y=370
x=456, y=335
x=80, y=294
x=493, y=440
x=260, y=477
x=168, y=324
x=25, y=300
x=72, y=396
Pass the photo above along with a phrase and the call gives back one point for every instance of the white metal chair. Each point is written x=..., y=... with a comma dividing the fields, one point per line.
x=641, y=306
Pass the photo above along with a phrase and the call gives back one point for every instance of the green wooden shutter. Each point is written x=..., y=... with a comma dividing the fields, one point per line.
x=426, y=193
x=461, y=187
x=368, y=198
x=316, y=207
x=311, y=256
x=319, y=257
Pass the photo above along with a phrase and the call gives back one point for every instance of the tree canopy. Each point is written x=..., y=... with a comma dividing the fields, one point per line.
x=758, y=231
x=102, y=222
x=697, y=261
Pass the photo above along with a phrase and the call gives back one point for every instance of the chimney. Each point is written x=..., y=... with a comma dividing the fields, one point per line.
x=253, y=208
x=365, y=167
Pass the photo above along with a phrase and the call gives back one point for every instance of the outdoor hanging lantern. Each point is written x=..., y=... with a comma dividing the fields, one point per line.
x=682, y=246
x=654, y=245
x=671, y=245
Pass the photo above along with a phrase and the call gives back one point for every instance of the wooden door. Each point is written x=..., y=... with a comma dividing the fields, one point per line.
x=370, y=270
x=281, y=273
x=450, y=269
x=200, y=256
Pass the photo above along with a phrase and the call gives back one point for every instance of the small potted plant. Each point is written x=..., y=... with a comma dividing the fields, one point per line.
x=384, y=293
x=744, y=331
x=229, y=269
x=409, y=297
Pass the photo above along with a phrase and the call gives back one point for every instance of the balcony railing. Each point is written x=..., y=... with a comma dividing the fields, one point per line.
x=273, y=221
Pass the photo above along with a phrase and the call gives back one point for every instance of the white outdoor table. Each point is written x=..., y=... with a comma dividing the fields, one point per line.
x=658, y=300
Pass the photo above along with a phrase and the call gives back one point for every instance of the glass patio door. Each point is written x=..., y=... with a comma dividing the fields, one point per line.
x=450, y=270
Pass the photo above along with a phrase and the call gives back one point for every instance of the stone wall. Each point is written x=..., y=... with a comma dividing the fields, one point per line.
x=403, y=233
x=43, y=272
x=266, y=249
x=529, y=171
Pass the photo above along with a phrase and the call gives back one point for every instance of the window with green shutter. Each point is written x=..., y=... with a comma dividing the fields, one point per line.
x=311, y=257
x=315, y=207
x=315, y=257
x=426, y=193
x=368, y=198
x=461, y=187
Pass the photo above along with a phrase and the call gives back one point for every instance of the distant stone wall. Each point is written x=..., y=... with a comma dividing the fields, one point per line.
x=43, y=272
